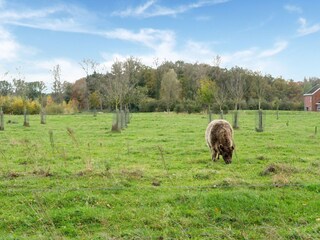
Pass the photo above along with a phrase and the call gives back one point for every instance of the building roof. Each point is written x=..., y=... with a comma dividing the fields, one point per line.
x=313, y=90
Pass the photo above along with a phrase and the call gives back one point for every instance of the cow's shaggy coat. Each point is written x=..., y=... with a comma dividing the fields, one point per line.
x=219, y=138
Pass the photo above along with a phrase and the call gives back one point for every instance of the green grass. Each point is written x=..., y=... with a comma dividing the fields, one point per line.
x=156, y=180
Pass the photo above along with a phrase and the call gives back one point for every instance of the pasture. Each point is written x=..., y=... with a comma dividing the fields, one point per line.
x=74, y=179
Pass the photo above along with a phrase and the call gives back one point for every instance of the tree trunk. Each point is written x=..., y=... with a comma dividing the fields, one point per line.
x=221, y=114
x=259, y=107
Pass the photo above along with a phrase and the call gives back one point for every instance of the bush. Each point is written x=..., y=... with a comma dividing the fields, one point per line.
x=252, y=104
x=17, y=105
x=33, y=107
x=162, y=106
x=179, y=107
x=266, y=105
x=216, y=109
x=71, y=107
x=6, y=103
x=191, y=106
x=54, y=108
x=148, y=105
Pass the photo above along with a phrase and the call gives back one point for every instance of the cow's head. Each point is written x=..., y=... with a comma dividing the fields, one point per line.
x=226, y=152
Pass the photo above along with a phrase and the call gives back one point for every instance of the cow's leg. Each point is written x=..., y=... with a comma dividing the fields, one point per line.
x=215, y=154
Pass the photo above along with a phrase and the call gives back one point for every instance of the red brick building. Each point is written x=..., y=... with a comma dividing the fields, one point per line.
x=312, y=99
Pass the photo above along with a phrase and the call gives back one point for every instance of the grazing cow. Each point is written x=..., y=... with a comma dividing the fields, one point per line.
x=219, y=137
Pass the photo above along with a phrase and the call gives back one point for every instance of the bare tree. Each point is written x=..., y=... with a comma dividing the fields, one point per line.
x=217, y=61
x=93, y=80
x=57, y=84
x=115, y=85
x=132, y=69
x=260, y=87
x=20, y=85
x=20, y=88
x=221, y=92
x=89, y=66
x=236, y=86
x=157, y=77
x=123, y=80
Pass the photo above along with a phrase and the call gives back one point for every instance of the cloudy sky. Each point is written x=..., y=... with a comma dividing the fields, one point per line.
x=277, y=37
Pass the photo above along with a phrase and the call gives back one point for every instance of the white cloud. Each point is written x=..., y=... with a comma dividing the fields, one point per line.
x=247, y=59
x=70, y=70
x=40, y=70
x=256, y=59
x=138, y=11
x=152, y=9
x=9, y=48
x=197, y=47
x=277, y=48
x=63, y=17
x=293, y=8
x=152, y=38
x=305, y=29
x=161, y=44
x=14, y=15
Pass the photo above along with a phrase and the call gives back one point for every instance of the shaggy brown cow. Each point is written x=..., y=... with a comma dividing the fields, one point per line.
x=219, y=137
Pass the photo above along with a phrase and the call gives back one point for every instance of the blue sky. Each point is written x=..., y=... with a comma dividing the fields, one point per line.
x=277, y=37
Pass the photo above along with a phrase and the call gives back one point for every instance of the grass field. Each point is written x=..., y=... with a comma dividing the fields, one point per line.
x=74, y=179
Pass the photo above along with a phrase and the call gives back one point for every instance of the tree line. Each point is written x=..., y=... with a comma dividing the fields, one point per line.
x=168, y=86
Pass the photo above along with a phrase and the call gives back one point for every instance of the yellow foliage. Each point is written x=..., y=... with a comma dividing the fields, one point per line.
x=50, y=100
x=17, y=105
x=33, y=107
x=70, y=107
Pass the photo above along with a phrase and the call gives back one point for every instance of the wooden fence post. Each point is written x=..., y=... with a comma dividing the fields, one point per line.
x=1, y=120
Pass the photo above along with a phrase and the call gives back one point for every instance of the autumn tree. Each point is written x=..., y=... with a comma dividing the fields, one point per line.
x=170, y=88
x=206, y=92
x=190, y=80
x=79, y=93
x=94, y=100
